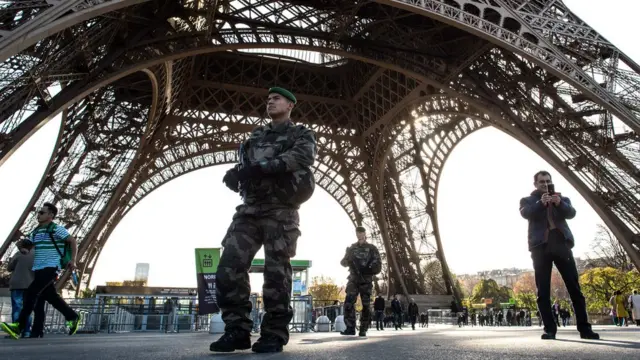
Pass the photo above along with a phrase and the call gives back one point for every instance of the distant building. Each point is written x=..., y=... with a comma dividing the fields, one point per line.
x=503, y=277
x=142, y=273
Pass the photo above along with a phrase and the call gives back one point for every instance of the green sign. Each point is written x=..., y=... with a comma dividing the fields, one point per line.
x=206, y=267
x=207, y=260
x=512, y=301
x=294, y=263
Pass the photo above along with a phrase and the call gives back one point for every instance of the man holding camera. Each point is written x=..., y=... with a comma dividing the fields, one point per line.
x=550, y=242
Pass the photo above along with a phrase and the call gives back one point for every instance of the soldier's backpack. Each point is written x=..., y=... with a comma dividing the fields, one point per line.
x=299, y=185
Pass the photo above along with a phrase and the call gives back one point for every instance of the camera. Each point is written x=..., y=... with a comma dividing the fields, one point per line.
x=551, y=189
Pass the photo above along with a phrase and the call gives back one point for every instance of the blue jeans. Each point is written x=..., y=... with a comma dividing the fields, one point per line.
x=17, y=296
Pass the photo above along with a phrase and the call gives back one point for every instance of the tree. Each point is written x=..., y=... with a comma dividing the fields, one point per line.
x=467, y=285
x=607, y=251
x=325, y=291
x=558, y=287
x=526, y=284
x=458, y=286
x=527, y=300
x=525, y=291
x=489, y=289
x=598, y=284
x=88, y=293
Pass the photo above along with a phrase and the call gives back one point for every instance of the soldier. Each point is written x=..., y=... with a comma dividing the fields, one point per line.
x=363, y=260
x=274, y=178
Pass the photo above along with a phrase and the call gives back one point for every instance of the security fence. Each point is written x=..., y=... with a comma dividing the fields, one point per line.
x=115, y=314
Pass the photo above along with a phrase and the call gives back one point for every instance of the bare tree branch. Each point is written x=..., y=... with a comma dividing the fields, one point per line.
x=607, y=251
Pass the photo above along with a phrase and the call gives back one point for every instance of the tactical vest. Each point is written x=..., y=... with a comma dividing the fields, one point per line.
x=289, y=188
x=362, y=255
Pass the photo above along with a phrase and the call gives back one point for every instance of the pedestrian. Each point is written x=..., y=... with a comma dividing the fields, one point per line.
x=51, y=242
x=274, y=177
x=363, y=260
x=550, y=242
x=21, y=277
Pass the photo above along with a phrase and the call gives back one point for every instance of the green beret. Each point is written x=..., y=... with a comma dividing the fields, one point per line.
x=360, y=229
x=284, y=92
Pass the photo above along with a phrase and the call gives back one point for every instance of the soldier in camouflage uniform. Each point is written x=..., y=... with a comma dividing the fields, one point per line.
x=274, y=177
x=363, y=260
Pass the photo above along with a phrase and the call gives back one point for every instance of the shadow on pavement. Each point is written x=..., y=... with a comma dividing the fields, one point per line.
x=331, y=339
x=604, y=342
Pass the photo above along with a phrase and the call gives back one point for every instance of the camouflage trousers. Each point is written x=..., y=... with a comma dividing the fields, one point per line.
x=251, y=228
x=355, y=287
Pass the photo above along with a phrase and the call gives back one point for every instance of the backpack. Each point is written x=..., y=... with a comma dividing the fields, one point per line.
x=65, y=258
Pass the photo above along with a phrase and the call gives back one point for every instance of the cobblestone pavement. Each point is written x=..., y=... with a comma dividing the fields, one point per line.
x=439, y=342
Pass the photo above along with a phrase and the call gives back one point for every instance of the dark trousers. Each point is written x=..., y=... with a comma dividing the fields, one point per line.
x=42, y=289
x=543, y=261
x=251, y=228
x=362, y=287
x=38, y=318
x=413, y=319
x=379, y=319
x=398, y=321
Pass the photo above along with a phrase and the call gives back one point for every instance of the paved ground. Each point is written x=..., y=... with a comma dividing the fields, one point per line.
x=441, y=342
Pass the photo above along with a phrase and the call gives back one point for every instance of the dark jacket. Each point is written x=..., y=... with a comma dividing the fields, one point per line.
x=531, y=208
x=378, y=304
x=286, y=154
x=363, y=261
x=413, y=309
x=396, y=307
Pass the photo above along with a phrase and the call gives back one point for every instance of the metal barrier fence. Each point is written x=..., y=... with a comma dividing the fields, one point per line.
x=112, y=314
x=302, y=306
x=115, y=314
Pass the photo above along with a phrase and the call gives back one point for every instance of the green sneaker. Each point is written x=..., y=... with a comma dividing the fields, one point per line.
x=13, y=329
x=73, y=324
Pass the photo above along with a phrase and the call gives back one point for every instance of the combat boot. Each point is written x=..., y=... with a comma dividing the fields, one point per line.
x=231, y=341
x=267, y=344
x=348, y=331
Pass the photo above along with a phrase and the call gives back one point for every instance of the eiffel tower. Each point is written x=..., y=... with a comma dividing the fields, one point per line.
x=149, y=90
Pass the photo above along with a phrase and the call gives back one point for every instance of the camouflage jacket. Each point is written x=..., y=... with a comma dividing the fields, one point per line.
x=363, y=260
x=286, y=153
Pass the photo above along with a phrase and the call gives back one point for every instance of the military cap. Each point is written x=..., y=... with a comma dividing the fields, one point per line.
x=284, y=92
x=360, y=229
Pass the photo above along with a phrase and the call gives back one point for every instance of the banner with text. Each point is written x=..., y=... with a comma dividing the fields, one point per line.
x=206, y=267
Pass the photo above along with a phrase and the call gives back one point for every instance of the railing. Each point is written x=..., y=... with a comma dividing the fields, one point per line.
x=121, y=314
x=100, y=316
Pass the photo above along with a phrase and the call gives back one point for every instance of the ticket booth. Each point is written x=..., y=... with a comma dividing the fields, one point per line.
x=300, y=269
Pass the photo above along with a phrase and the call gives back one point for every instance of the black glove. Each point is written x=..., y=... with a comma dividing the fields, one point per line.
x=231, y=180
x=249, y=172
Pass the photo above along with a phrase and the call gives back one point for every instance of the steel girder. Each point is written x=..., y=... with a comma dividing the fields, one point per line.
x=552, y=106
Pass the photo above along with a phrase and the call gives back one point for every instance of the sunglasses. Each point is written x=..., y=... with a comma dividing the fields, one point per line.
x=41, y=212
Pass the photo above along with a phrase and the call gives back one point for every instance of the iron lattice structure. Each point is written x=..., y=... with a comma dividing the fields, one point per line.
x=149, y=90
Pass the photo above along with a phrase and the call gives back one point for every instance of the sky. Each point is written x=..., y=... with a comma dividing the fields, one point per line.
x=482, y=183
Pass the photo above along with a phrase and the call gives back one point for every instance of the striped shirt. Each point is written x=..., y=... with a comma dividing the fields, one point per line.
x=46, y=255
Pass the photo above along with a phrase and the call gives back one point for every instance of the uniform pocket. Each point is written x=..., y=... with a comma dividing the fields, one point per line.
x=290, y=234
